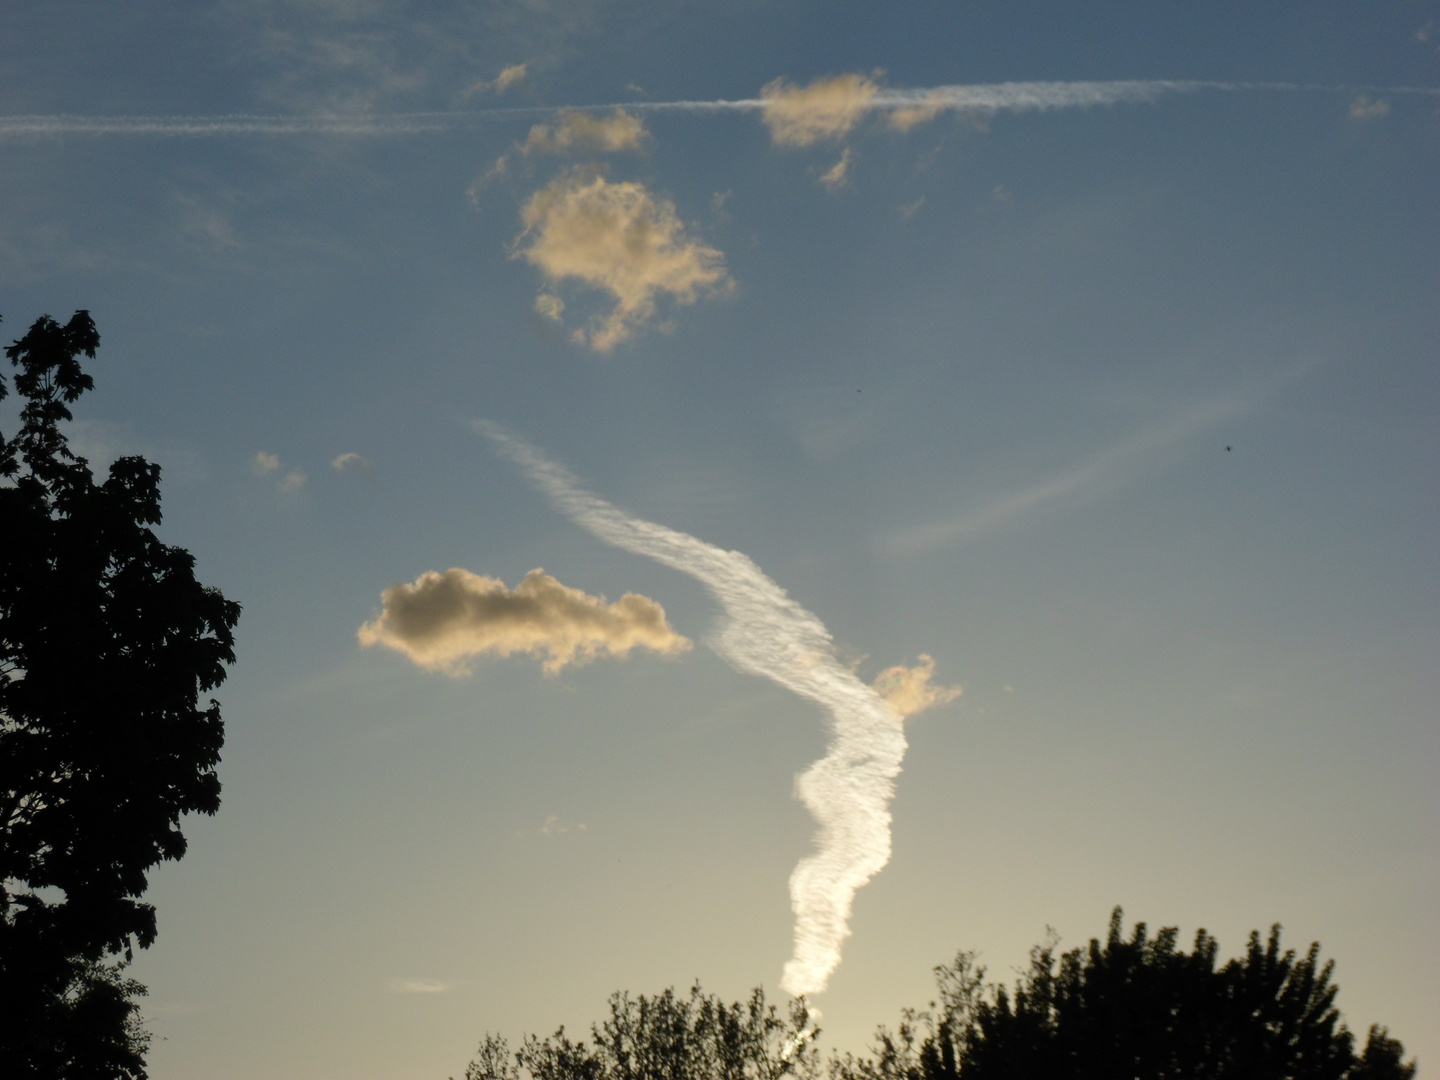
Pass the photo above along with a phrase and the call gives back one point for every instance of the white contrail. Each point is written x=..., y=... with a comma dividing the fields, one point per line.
x=765, y=632
x=977, y=97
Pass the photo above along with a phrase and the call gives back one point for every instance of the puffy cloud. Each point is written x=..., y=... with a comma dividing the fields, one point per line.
x=264, y=462
x=836, y=176
x=826, y=109
x=908, y=690
x=444, y=620
x=622, y=240
x=586, y=132
x=1366, y=108
x=294, y=480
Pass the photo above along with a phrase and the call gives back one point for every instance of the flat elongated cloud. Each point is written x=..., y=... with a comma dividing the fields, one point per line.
x=764, y=632
x=826, y=109
x=622, y=240
x=575, y=131
x=443, y=621
x=420, y=986
x=909, y=690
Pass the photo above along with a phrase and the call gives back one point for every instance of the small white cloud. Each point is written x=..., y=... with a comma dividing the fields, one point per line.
x=294, y=480
x=622, y=240
x=909, y=691
x=419, y=986
x=583, y=132
x=555, y=827
x=353, y=462
x=836, y=177
x=444, y=620
x=264, y=462
x=1366, y=108
x=510, y=76
x=909, y=210
x=549, y=306
x=825, y=110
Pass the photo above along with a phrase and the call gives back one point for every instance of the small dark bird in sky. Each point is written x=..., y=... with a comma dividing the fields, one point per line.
x=1227, y=449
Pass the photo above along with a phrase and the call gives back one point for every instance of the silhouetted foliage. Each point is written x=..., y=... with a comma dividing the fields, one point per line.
x=1131, y=1009
x=1141, y=1009
x=665, y=1037
x=107, y=642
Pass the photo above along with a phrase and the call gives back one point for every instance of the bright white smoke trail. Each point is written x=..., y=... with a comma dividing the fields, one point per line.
x=976, y=97
x=764, y=632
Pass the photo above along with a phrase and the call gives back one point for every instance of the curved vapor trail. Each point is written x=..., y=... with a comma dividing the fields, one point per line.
x=764, y=632
x=976, y=97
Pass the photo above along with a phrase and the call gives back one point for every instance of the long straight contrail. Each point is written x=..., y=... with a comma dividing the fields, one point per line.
x=977, y=97
x=764, y=632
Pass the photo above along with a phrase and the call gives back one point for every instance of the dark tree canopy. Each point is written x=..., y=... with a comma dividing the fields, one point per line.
x=665, y=1037
x=1129, y=1009
x=1139, y=1008
x=107, y=644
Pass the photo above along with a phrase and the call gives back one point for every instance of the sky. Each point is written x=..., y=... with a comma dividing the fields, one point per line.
x=764, y=492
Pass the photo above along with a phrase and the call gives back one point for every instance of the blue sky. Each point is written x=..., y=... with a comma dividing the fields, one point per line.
x=969, y=396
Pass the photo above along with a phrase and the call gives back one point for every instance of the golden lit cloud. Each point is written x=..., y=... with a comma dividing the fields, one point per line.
x=826, y=109
x=909, y=116
x=508, y=77
x=909, y=691
x=444, y=620
x=622, y=240
x=264, y=462
x=575, y=131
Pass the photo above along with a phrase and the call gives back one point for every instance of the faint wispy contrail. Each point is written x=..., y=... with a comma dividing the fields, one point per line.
x=977, y=97
x=1131, y=455
x=764, y=632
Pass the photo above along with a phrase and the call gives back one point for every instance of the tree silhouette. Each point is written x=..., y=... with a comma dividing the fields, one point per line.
x=665, y=1037
x=1141, y=1009
x=107, y=642
x=1131, y=1009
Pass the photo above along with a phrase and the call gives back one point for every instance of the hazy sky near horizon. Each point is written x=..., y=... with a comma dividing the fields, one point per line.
x=1122, y=410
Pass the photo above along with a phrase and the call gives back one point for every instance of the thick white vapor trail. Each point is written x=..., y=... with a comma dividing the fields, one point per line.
x=764, y=632
x=977, y=97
